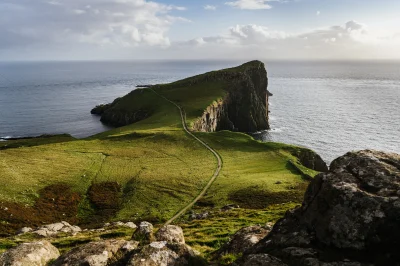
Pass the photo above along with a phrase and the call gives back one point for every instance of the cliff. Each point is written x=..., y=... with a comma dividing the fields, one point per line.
x=245, y=105
x=242, y=106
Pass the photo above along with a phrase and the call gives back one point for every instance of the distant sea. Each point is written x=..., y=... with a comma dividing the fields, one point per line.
x=330, y=107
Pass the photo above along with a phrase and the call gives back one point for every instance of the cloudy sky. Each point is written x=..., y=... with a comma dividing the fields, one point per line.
x=199, y=29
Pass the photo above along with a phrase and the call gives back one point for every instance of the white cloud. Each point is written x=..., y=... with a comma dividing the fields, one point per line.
x=318, y=13
x=210, y=7
x=79, y=11
x=250, y=4
x=350, y=40
x=108, y=22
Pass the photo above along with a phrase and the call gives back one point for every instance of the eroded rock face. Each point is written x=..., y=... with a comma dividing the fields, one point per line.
x=245, y=105
x=100, y=253
x=30, y=254
x=171, y=234
x=350, y=216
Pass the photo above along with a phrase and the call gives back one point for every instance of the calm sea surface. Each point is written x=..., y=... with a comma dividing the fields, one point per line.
x=331, y=107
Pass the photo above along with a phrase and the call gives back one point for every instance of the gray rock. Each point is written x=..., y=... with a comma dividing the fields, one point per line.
x=144, y=234
x=230, y=207
x=100, y=253
x=244, y=239
x=24, y=230
x=350, y=216
x=130, y=225
x=30, y=254
x=199, y=216
x=166, y=254
x=51, y=230
x=171, y=234
x=262, y=260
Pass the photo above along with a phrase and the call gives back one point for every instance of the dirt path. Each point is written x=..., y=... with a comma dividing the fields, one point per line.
x=216, y=173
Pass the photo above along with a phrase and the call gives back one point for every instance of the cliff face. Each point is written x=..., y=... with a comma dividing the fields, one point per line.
x=119, y=112
x=245, y=106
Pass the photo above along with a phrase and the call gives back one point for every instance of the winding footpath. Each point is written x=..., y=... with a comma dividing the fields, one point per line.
x=216, y=173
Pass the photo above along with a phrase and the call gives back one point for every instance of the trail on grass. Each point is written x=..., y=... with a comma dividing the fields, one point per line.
x=216, y=173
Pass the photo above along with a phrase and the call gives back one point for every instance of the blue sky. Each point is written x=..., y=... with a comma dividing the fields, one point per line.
x=199, y=29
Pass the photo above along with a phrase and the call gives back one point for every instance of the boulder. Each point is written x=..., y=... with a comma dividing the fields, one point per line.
x=24, y=230
x=350, y=216
x=30, y=254
x=198, y=216
x=166, y=254
x=56, y=228
x=144, y=234
x=244, y=239
x=100, y=253
x=262, y=260
x=171, y=234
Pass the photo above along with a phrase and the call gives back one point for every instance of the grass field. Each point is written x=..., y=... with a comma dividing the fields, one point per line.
x=158, y=169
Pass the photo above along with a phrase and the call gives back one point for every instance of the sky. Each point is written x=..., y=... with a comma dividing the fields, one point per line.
x=199, y=29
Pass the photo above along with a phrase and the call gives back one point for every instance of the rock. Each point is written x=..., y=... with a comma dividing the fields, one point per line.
x=350, y=216
x=261, y=260
x=24, y=230
x=100, y=253
x=121, y=224
x=51, y=230
x=30, y=254
x=198, y=216
x=166, y=254
x=171, y=234
x=311, y=160
x=230, y=207
x=130, y=225
x=100, y=109
x=244, y=239
x=144, y=234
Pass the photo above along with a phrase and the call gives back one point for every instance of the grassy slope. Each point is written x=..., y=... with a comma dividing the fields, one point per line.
x=159, y=167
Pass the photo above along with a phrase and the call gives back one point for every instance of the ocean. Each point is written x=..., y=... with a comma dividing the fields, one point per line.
x=330, y=107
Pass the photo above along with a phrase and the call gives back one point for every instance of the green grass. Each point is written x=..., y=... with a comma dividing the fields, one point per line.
x=210, y=234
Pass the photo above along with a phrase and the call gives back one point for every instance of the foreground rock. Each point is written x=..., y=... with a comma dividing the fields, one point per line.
x=30, y=254
x=244, y=239
x=171, y=234
x=100, y=253
x=144, y=234
x=166, y=254
x=350, y=216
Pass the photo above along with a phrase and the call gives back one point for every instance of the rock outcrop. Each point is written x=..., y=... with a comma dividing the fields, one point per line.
x=169, y=249
x=244, y=239
x=100, y=253
x=171, y=234
x=350, y=216
x=144, y=234
x=56, y=228
x=311, y=160
x=30, y=254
